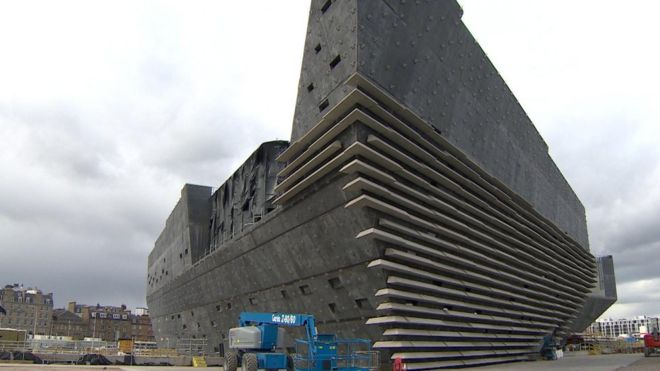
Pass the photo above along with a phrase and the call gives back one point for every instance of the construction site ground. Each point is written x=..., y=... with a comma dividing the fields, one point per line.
x=578, y=361
x=582, y=361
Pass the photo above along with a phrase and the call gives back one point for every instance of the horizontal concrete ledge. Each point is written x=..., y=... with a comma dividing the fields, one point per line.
x=461, y=353
x=458, y=320
x=502, y=316
x=315, y=161
x=456, y=334
x=453, y=344
x=408, y=270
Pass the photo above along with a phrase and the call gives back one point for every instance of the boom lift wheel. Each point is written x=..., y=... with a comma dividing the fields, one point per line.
x=231, y=361
x=249, y=362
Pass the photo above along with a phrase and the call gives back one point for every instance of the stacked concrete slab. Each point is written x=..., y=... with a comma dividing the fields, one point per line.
x=416, y=205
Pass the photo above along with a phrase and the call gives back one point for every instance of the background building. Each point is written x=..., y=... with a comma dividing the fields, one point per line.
x=27, y=309
x=66, y=323
x=624, y=326
x=141, y=327
x=110, y=323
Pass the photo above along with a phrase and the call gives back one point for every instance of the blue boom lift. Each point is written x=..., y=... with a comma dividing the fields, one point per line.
x=254, y=343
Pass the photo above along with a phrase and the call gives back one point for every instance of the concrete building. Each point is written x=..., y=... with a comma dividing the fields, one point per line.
x=636, y=326
x=27, y=309
x=416, y=205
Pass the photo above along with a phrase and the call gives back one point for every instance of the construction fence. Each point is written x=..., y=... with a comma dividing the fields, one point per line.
x=183, y=347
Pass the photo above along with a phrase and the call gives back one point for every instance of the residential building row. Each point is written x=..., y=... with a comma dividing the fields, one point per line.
x=27, y=309
x=31, y=310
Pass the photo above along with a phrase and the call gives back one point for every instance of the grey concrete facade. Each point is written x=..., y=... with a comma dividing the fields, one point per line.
x=183, y=239
x=416, y=205
x=245, y=197
x=423, y=55
x=601, y=297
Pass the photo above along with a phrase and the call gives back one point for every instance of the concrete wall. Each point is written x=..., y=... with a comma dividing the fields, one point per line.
x=201, y=222
x=423, y=55
x=329, y=34
x=283, y=263
x=601, y=297
x=183, y=239
x=245, y=197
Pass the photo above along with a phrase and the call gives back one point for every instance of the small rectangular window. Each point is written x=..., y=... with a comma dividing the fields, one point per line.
x=253, y=301
x=310, y=87
x=323, y=105
x=335, y=283
x=326, y=6
x=305, y=290
x=283, y=292
x=333, y=307
x=362, y=303
x=335, y=62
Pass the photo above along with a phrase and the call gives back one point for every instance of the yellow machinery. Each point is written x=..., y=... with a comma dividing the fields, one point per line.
x=125, y=346
x=10, y=334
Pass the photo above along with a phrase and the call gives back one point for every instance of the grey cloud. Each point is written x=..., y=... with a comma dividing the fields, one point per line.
x=96, y=144
x=97, y=141
x=637, y=263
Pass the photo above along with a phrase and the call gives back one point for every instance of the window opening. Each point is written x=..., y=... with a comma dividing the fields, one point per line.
x=335, y=62
x=326, y=6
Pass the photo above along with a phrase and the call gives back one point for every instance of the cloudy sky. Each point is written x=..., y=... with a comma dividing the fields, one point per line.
x=107, y=108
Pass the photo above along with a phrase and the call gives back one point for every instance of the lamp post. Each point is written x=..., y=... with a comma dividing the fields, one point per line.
x=36, y=316
x=94, y=332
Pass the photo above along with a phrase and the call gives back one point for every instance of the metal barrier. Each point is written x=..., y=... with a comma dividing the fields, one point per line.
x=340, y=353
x=192, y=347
x=16, y=346
x=53, y=346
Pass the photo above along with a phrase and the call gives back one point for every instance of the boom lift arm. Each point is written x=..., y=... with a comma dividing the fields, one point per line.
x=280, y=320
x=253, y=346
